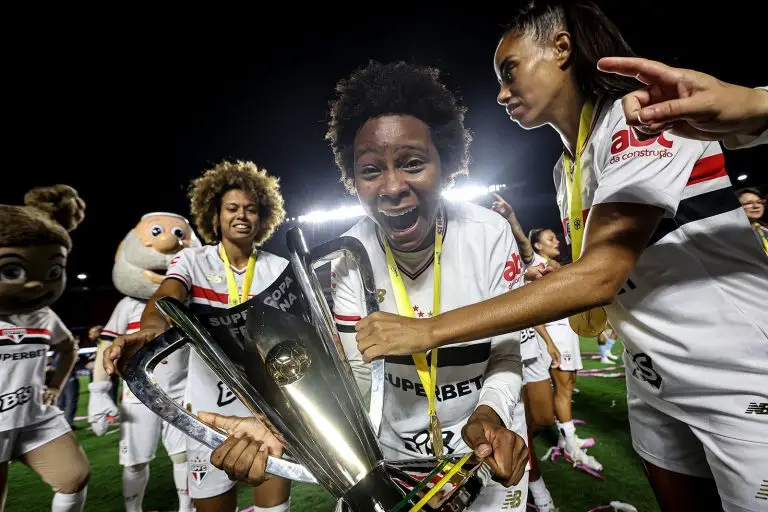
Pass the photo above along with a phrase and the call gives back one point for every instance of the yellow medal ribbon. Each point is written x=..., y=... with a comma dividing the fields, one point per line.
x=235, y=297
x=427, y=373
x=589, y=323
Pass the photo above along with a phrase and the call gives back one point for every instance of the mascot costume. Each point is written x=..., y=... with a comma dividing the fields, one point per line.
x=34, y=245
x=140, y=264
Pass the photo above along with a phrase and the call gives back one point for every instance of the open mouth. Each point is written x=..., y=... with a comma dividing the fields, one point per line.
x=241, y=227
x=402, y=220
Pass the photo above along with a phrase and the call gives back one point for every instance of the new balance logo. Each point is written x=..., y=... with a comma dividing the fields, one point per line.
x=755, y=408
x=762, y=493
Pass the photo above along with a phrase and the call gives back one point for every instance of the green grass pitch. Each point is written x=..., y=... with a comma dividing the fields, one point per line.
x=601, y=403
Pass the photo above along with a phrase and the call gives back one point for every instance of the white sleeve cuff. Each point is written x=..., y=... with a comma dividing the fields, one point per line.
x=637, y=195
x=500, y=403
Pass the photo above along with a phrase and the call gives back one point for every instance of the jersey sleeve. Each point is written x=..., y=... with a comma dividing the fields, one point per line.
x=504, y=374
x=348, y=309
x=180, y=268
x=56, y=327
x=117, y=324
x=653, y=171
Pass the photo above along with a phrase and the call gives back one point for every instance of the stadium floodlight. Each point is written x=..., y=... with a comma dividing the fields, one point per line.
x=463, y=193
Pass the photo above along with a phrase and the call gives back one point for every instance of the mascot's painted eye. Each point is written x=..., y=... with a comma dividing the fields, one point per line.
x=178, y=232
x=156, y=230
x=55, y=273
x=13, y=273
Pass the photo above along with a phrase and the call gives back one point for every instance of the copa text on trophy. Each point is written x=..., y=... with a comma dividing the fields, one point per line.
x=281, y=355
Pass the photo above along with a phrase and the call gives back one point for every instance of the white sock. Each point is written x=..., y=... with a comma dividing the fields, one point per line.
x=603, y=350
x=540, y=492
x=609, y=343
x=567, y=430
x=134, y=485
x=180, y=479
x=283, y=507
x=69, y=502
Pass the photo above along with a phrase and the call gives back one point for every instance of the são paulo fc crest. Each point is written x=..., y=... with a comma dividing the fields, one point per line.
x=215, y=278
x=15, y=335
x=198, y=468
x=380, y=293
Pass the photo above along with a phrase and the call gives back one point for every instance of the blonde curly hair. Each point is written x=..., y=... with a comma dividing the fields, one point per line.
x=205, y=194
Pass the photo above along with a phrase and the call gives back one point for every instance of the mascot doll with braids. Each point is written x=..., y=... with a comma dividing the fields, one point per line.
x=140, y=264
x=34, y=245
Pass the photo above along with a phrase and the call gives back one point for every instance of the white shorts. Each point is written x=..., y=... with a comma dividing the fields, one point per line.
x=16, y=442
x=537, y=369
x=140, y=430
x=206, y=480
x=567, y=343
x=739, y=468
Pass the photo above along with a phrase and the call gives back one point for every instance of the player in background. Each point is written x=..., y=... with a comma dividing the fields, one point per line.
x=540, y=356
x=546, y=248
x=141, y=262
x=34, y=246
x=605, y=342
x=235, y=207
x=399, y=139
x=667, y=251
x=754, y=207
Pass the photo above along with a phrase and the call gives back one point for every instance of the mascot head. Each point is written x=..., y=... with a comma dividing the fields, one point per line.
x=34, y=245
x=147, y=250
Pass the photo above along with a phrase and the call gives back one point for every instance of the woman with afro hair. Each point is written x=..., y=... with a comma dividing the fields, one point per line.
x=399, y=139
x=235, y=207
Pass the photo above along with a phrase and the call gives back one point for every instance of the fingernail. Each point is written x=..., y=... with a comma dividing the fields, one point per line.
x=484, y=450
x=263, y=447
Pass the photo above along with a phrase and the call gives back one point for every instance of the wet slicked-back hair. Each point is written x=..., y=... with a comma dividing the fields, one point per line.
x=398, y=89
x=594, y=36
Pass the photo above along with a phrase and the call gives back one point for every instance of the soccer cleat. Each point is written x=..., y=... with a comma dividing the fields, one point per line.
x=579, y=456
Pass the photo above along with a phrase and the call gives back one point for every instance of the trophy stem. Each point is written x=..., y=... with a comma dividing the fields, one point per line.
x=322, y=319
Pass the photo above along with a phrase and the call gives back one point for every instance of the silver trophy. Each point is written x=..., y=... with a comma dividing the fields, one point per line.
x=280, y=353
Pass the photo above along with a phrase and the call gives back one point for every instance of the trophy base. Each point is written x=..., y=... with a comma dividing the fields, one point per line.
x=400, y=486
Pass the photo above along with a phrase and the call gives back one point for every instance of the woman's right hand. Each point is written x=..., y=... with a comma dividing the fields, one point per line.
x=124, y=347
x=243, y=456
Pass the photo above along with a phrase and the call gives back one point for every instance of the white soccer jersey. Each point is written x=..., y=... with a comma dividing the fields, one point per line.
x=126, y=319
x=693, y=312
x=201, y=269
x=480, y=260
x=24, y=342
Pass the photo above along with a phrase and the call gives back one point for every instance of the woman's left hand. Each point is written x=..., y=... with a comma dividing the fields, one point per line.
x=384, y=334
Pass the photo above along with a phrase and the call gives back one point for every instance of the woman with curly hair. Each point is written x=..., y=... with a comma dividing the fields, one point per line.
x=399, y=139
x=34, y=245
x=236, y=207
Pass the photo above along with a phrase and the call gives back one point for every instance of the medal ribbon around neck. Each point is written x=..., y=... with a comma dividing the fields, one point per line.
x=589, y=323
x=427, y=372
x=235, y=297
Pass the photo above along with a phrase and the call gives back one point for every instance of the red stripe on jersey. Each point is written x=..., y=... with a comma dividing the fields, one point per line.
x=708, y=168
x=199, y=292
x=346, y=318
x=30, y=331
x=133, y=326
x=210, y=295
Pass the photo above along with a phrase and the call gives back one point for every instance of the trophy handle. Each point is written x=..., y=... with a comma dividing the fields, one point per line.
x=352, y=248
x=139, y=376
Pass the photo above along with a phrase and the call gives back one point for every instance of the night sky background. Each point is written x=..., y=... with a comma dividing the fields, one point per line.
x=128, y=105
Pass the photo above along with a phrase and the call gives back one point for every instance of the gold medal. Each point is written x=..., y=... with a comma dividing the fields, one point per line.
x=589, y=324
x=436, y=436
